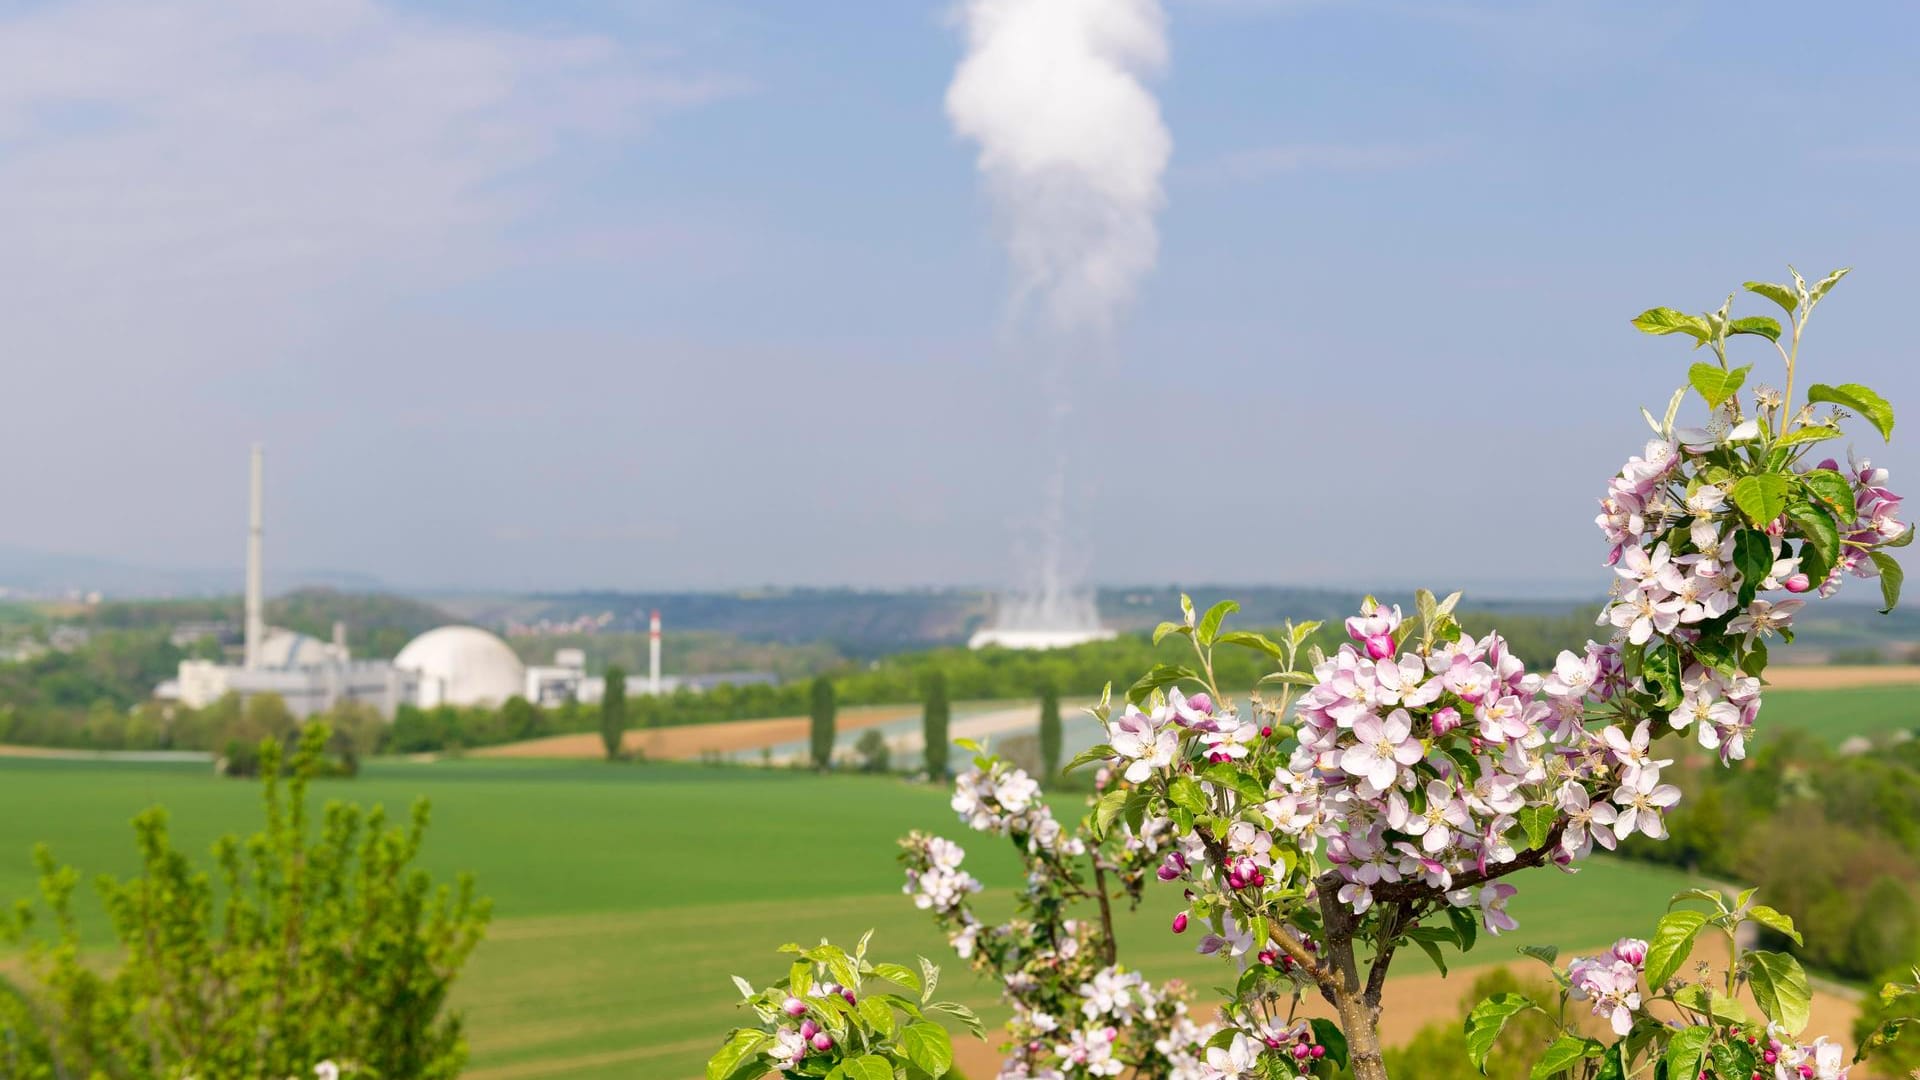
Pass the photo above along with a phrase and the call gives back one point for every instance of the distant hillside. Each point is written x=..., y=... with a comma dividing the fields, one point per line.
x=378, y=624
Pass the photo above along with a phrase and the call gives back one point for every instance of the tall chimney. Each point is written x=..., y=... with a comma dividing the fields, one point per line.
x=653, y=654
x=256, y=616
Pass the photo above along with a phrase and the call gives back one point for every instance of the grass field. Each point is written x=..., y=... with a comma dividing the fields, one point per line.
x=625, y=896
x=1840, y=713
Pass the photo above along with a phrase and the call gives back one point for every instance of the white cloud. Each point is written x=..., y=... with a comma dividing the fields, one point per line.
x=197, y=151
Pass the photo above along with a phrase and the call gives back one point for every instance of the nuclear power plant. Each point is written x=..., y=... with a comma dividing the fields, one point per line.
x=449, y=665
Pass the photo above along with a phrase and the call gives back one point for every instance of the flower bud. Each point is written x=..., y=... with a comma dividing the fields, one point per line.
x=1300, y=1050
x=848, y=995
x=793, y=1006
x=822, y=1041
x=1266, y=732
x=1180, y=923
x=1269, y=957
x=1319, y=1051
x=1798, y=583
x=1380, y=646
x=1445, y=720
x=809, y=1029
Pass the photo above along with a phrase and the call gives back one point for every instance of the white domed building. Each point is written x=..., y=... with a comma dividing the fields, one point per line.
x=462, y=665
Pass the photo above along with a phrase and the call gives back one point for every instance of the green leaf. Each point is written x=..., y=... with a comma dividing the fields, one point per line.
x=1662, y=320
x=1718, y=900
x=869, y=1067
x=1891, y=577
x=1672, y=941
x=1826, y=285
x=1108, y=810
x=1733, y=1059
x=929, y=1047
x=1546, y=954
x=1247, y=639
x=1465, y=926
x=929, y=978
x=1817, y=526
x=1807, y=434
x=1686, y=1050
x=1705, y=1000
x=1092, y=754
x=1831, y=489
x=746, y=988
x=1779, y=294
x=877, y=1015
x=1328, y=1034
x=1780, y=989
x=961, y=1013
x=898, y=974
x=1778, y=922
x=1296, y=678
x=1433, y=953
x=1753, y=557
x=1210, y=622
x=1165, y=628
x=1562, y=1054
x=1859, y=399
x=1185, y=791
x=1714, y=384
x=739, y=1056
x=1157, y=676
x=1763, y=325
x=1537, y=821
x=800, y=978
x=1762, y=497
x=1485, y=1022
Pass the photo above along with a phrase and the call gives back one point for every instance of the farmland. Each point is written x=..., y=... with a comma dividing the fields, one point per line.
x=626, y=895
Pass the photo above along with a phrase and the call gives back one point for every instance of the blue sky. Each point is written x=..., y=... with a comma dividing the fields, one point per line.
x=664, y=294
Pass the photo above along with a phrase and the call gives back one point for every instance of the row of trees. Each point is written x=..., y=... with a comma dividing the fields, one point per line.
x=936, y=724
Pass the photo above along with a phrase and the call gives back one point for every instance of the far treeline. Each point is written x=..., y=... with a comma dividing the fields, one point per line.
x=98, y=696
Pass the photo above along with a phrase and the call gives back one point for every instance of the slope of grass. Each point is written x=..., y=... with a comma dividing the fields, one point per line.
x=625, y=895
x=1839, y=714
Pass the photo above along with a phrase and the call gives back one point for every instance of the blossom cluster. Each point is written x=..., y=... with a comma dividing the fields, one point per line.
x=1076, y=1013
x=1611, y=982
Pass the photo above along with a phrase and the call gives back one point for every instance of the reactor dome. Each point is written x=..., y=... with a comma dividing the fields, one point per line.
x=462, y=665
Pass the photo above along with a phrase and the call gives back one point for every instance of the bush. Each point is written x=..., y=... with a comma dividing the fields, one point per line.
x=309, y=948
x=874, y=753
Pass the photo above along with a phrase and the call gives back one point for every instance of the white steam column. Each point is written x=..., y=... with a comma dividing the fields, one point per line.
x=653, y=654
x=256, y=616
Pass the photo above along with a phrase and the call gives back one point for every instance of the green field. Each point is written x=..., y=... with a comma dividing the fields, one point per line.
x=1839, y=714
x=626, y=895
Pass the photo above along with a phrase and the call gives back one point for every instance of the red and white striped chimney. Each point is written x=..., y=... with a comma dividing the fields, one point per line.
x=653, y=654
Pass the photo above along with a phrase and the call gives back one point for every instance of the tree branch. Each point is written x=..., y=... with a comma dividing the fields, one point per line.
x=1403, y=891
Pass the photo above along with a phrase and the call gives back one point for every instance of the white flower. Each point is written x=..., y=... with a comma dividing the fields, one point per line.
x=327, y=1070
x=1232, y=1061
x=1136, y=736
x=1382, y=749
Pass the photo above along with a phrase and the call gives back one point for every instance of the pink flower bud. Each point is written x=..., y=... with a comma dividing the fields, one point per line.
x=1380, y=646
x=1180, y=923
x=1798, y=583
x=1300, y=1050
x=1166, y=872
x=1445, y=720
x=793, y=1006
x=1269, y=957
x=822, y=1041
x=1266, y=732
x=848, y=995
x=809, y=1029
x=1319, y=1051
x=1770, y=1057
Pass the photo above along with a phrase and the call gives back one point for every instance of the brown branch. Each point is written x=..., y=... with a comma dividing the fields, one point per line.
x=1106, y=909
x=1377, y=975
x=1403, y=891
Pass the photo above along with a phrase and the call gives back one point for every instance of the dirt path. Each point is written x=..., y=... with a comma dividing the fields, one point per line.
x=1841, y=676
x=688, y=742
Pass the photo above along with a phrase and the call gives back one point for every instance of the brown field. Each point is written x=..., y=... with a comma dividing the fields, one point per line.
x=1841, y=676
x=1414, y=1001
x=688, y=742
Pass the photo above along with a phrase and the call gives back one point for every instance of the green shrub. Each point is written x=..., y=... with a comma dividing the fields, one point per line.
x=308, y=948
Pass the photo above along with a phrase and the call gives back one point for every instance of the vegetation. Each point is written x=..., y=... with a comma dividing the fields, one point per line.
x=1439, y=1050
x=613, y=712
x=1855, y=819
x=329, y=948
x=821, y=713
x=1049, y=733
x=935, y=717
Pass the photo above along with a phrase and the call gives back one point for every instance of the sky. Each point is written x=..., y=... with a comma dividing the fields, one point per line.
x=705, y=293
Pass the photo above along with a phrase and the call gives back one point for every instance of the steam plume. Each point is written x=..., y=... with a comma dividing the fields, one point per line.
x=1071, y=145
